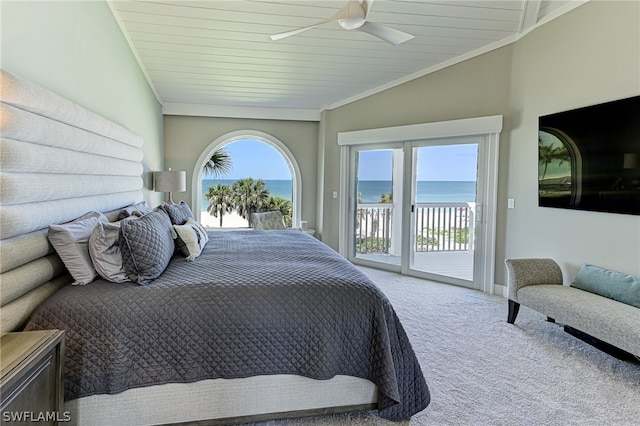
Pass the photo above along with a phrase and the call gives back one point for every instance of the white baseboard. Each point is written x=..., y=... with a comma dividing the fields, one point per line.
x=500, y=290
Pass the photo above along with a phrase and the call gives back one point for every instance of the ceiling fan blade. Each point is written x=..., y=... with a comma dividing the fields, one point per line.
x=341, y=14
x=294, y=32
x=387, y=34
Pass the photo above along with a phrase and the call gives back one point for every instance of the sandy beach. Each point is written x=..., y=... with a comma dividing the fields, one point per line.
x=229, y=220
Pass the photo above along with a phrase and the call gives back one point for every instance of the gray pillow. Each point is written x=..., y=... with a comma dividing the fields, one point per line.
x=104, y=248
x=137, y=210
x=178, y=213
x=71, y=241
x=146, y=246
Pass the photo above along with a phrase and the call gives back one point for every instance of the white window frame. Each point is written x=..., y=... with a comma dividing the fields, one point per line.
x=294, y=169
x=487, y=127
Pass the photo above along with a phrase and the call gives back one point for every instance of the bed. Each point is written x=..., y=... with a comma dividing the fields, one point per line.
x=261, y=324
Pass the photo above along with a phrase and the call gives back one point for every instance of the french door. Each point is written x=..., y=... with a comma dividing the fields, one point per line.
x=443, y=209
x=417, y=208
x=376, y=211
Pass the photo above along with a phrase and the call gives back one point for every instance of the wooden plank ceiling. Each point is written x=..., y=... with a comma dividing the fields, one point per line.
x=220, y=53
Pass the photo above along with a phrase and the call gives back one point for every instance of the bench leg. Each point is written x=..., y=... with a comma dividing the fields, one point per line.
x=514, y=307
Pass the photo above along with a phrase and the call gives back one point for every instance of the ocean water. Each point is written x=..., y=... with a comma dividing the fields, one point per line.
x=370, y=190
x=428, y=191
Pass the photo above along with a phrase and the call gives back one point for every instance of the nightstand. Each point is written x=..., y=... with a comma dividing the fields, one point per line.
x=31, y=385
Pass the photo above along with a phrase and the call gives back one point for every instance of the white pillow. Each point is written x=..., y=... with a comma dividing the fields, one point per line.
x=104, y=248
x=191, y=239
x=71, y=241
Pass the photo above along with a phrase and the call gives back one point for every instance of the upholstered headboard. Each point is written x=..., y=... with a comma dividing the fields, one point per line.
x=58, y=161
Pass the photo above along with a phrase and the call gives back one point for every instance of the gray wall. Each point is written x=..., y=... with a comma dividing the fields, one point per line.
x=587, y=56
x=77, y=50
x=474, y=88
x=186, y=138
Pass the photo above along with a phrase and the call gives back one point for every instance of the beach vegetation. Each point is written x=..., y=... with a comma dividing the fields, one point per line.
x=548, y=153
x=220, y=199
x=386, y=198
x=462, y=236
x=246, y=196
x=219, y=164
x=284, y=206
x=372, y=245
x=240, y=197
x=429, y=237
x=425, y=241
x=250, y=196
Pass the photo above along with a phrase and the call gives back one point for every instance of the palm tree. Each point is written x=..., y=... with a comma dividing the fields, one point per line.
x=386, y=198
x=220, y=199
x=277, y=203
x=549, y=153
x=219, y=164
x=249, y=196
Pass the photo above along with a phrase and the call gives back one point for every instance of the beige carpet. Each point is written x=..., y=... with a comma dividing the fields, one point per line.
x=483, y=371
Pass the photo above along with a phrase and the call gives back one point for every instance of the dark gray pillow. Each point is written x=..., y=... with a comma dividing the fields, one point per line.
x=178, y=213
x=146, y=246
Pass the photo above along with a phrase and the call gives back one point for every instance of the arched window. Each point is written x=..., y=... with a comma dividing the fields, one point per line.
x=559, y=168
x=228, y=138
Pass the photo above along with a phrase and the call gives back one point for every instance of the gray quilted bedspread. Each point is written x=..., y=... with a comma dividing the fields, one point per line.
x=254, y=303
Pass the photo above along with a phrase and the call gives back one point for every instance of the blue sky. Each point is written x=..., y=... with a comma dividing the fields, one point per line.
x=251, y=158
x=435, y=163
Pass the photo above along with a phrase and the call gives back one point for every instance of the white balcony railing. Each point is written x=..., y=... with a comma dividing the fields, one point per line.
x=439, y=227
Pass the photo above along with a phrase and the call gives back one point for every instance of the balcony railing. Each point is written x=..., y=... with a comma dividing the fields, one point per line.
x=439, y=227
x=373, y=227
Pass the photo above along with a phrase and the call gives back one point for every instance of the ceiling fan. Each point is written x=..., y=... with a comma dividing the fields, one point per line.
x=354, y=16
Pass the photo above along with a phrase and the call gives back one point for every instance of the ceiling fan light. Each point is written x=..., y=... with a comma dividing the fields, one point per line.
x=352, y=22
x=356, y=16
x=353, y=16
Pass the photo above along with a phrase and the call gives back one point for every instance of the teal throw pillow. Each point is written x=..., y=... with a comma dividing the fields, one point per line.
x=618, y=286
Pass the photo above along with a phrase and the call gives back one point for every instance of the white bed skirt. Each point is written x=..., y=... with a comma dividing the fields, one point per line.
x=221, y=399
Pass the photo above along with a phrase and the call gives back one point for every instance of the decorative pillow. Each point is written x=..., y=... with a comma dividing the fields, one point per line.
x=191, y=239
x=267, y=220
x=618, y=286
x=71, y=241
x=104, y=248
x=146, y=246
x=137, y=209
x=178, y=213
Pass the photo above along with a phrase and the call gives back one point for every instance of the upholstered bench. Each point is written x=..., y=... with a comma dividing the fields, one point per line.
x=537, y=284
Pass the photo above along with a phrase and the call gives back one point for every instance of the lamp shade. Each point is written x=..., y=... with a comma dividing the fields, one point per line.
x=170, y=181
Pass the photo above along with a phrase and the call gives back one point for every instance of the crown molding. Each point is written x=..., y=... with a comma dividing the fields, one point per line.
x=227, y=111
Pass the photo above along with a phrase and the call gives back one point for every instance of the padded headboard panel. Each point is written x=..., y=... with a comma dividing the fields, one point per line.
x=58, y=161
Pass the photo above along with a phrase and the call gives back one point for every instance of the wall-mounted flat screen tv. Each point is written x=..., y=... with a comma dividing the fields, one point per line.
x=589, y=158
